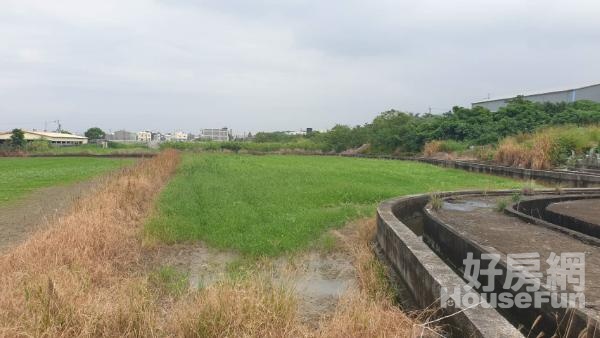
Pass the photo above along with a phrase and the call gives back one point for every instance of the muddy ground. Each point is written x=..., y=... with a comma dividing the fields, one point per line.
x=319, y=278
x=18, y=219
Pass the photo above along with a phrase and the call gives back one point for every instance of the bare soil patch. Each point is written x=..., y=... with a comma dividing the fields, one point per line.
x=19, y=219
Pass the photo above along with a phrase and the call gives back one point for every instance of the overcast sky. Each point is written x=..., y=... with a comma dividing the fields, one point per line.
x=280, y=65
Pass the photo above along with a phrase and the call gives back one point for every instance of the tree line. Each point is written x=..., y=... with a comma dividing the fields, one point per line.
x=401, y=132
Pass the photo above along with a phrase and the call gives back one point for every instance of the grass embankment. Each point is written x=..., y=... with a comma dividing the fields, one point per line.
x=20, y=176
x=268, y=205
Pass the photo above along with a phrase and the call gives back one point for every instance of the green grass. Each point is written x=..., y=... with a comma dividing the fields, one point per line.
x=273, y=204
x=21, y=175
x=94, y=149
x=169, y=281
x=248, y=146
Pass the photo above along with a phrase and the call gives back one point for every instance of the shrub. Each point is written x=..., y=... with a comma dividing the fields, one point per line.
x=233, y=146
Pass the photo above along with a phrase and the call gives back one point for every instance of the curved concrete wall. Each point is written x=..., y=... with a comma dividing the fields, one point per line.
x=450, y=244
x=425, y=273
x=535, y=211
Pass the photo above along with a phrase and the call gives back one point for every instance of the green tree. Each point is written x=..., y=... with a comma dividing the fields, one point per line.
x=95, y=133
x=339, y=138
x=392, y=130
x=17, y=139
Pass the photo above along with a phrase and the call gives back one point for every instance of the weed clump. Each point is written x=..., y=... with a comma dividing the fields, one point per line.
x=502, y=204
x=436, y=201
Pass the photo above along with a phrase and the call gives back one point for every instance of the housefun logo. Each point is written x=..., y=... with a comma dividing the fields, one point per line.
x=522, y=287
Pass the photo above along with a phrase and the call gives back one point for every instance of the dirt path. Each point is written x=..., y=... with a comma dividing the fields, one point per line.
x=18, y=219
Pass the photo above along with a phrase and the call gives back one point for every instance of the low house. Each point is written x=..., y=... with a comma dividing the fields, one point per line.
x=57, y=139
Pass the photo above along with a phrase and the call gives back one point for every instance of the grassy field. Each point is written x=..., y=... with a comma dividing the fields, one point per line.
x=20, y=176
x=268, y=205
x=94, y=149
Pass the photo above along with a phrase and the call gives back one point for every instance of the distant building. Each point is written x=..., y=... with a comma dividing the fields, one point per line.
x=180, y=136
x=144, y=136
x=214, y=134
x=122, y=136
x=591, y=93
x=157, y=136
x=57, y=139
x=298, y=132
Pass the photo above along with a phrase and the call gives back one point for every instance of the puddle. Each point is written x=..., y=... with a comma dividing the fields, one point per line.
x=464, y=205
x=204, y=265
x=318, y=280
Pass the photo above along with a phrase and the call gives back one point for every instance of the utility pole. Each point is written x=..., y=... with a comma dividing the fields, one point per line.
x=59, y=129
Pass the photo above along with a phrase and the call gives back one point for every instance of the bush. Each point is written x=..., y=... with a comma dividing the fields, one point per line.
x=121, y=145
x=233, y=146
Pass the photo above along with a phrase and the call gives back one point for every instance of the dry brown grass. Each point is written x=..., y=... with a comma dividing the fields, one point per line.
x=370, y=312
x=75, y=279
x=534, y=156
x=431, y=148
x=252, y=307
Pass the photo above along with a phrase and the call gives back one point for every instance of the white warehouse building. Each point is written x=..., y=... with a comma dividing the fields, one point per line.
x=56, y=139
x=591, y=93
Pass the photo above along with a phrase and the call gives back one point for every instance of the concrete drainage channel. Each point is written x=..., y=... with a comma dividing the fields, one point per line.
x=426, y=248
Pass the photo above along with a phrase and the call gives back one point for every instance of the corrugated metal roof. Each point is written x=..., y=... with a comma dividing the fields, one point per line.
x=535, y=93
x=49, y=134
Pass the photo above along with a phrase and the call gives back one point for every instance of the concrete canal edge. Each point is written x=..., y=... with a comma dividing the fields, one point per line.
x=425, y=273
